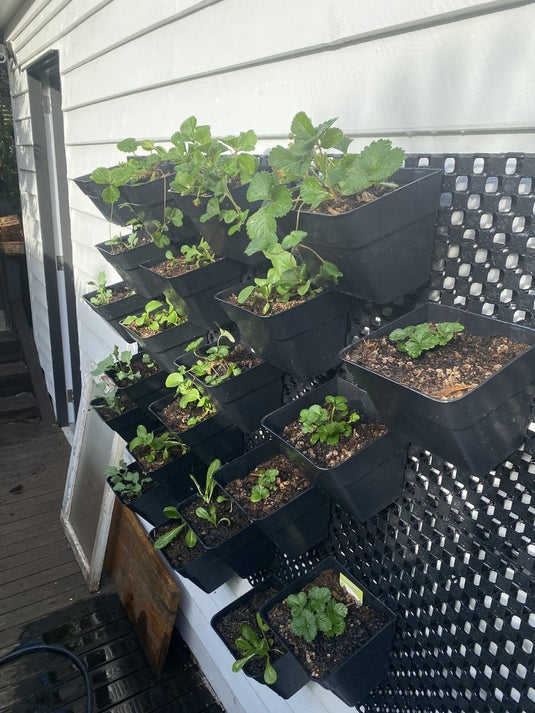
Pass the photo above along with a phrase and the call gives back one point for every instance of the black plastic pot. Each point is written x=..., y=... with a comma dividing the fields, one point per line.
x=366, y=667
x=368, y=481
x=173, y=338
x=302, y=340
x=117, y=213
x=193, y=293
x=290, y=676
x=215, y=437
x=297, y=526
x=245, y=552
x=477, y=431
x=144, y=387
x=206, y=571
x=245, y=398
x=128, y=262
x=116, y=310
x=125, y=424
x=215, y=231
x=384, y=248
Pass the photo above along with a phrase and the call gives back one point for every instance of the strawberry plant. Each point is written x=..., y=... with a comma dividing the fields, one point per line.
x=265, y=485
x=314, y=611
x=417, y=338
x=327, y=424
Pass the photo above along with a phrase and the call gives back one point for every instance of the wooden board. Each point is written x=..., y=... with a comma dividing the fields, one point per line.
x=147, y=590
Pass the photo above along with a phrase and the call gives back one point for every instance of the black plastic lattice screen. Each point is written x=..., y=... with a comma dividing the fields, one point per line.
x=454, y=556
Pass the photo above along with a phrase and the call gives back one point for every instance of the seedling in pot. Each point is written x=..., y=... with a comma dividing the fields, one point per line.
x=155, y=317
x=156, y=444
x=104, y=294
x=327, y=424
x=116, y=402
x=190, y=396
x=314, y=611
x=127, y=483
x=266, y=484
x=256, y=643
x=119, y=366
x=214, y=366
x=210, y=499
x=417, y=338
x=198, y=255
x=190, y=538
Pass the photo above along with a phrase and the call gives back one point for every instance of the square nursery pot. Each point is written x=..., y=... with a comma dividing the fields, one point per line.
x=368, y=481
x=193, y=292
x=245, y=552
x=290, y=676
x=362, y=670
x=176, y=338
x=476, y=431
x=117, y=213
x=384, y=248
x=206, y=570
x=215, y=437
x=117, y=309
x=301, y=340
x=139, y=390
x=246, y=398
x=215, y=231
x=128, y=264
x=125, y=424
x=302, y=523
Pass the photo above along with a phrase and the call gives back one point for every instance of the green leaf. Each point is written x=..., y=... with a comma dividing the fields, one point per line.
x=168, y=537
x=270, y=675
x=262, y=230
x=244, y=295
x=302, y=126
x=260, y=187
x=212, y=209
x=128, y=145
x=312, y=192
x=110, y=194
x=101, y=175
x=292, y=239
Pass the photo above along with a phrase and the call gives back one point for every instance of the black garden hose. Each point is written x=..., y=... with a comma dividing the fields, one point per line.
x=32, y=648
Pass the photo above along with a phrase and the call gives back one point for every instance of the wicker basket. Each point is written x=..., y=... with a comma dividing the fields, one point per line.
x=11, y=235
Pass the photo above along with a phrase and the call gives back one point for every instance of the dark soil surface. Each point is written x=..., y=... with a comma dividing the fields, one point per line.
x=177, y=552
x=324, y=455
x=120, y=293
x=325, y=654
x=122, y=247
x=139, y=367
x=146, y=332
x=444, y=373
x=210, y=535
x=256, y=307
x=290, y=482
x=140, y=452
x=229, y=629
x=123, y=403
x=174, y=268
x=239, y=356
x=344, y=204
x=176, y=418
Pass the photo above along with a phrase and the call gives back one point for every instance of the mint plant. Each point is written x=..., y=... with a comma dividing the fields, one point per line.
x=103, y=294
x=255, y=642
x=327, y=424
x=211, y=167
x=208, y=511
x=266, y=484
x=190, y=538
x=155, y=317
x=214, y=366
x=155, y=444
x=190, y=396
x=315, y=611
x=127, y=483
x=415, y=339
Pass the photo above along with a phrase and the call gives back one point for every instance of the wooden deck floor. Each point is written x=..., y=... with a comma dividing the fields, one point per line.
x=42, y=593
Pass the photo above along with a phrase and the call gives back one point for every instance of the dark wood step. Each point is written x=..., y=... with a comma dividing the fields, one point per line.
x=20, y=407
x=14, y=378
x=10, y=347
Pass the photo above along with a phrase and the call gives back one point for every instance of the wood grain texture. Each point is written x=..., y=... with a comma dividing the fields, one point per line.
x=145, y=587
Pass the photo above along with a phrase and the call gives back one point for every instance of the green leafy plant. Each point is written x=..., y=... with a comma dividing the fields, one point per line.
x=211, y=167
x=266, y=484
x=118, y=365
x=307, y=176
x=155, y=317
x=190, y=396
x=190, y=538
x=128, y=483
x=112, y=399
x=327, y=424
x=316, y=610
x=290, y=278
x=104, y=294
x=415, y=339
x=122, y=243
x=255, y=642
x=156, y=444
x=214, y=365
x=208, y=511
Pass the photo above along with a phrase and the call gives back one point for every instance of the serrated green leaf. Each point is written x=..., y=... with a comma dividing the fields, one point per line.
x=312, y=192
x=262, y=230
x=302, y=126
x=128, y=145
x=260, y=187
x=292, y=239
x=147, y=145
x=101, y=175
x=110, y=194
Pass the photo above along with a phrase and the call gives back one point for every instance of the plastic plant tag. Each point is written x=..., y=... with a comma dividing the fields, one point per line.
x=352, y=589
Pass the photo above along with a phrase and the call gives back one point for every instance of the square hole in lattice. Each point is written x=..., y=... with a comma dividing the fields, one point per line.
x=476, y=288
x=479, y=164
x=474, y=201
x=469, y=234
x=493, y=275
x=457, y=217
x=519, y=224
x=505, y=204
x=499, y=239
x=464, y=269
x=486, y=221
x=510, y=166
x=481, y=256
x=506, y=296
x=449, y=165
x=525, y=282
x=446, y=199
x=423, y=161
x=454, y=250
x=461, y=183
x=449, y=283
x=488, y=309
x=527, y=646
x=519, y=315
x=524, y=186
x=491, y=184
x=521, y=671
x=512, y=261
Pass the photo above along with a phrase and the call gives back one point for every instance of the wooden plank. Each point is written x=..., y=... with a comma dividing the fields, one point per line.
x=147, y=590
x=19, y=406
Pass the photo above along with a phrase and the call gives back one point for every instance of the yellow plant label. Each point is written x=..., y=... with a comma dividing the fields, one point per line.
x=351, y=588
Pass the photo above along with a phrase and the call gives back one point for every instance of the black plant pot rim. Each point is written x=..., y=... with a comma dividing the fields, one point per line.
x=207, y=546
